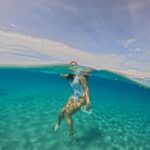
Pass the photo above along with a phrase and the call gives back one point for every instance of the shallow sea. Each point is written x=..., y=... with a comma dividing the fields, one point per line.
x=30, y=102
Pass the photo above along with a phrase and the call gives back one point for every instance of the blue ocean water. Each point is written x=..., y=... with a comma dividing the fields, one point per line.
x=31, y=99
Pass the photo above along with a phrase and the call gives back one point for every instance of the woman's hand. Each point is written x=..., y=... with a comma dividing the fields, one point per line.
x=64, y=75
x=88, y=106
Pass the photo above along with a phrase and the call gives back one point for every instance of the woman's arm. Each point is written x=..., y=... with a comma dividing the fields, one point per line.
x=86, y=90
x=64, y=75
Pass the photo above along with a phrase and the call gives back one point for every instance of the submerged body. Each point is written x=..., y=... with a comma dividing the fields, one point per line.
x=77, y=87
x=79, y=97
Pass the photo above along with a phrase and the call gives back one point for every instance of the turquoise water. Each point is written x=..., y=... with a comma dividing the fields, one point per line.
x=31, y=98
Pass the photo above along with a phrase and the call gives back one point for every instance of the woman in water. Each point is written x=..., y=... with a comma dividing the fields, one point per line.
x=77, y=99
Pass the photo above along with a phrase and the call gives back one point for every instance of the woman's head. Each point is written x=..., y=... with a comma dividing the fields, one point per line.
x=73, y=62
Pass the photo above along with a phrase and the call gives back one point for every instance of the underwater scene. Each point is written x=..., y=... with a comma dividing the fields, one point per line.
x=32, y=97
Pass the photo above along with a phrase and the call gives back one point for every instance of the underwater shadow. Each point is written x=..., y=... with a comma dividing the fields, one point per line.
x=91, y=135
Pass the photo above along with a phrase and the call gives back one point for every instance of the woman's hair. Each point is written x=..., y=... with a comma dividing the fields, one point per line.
x=73, y=62
x=86, y=77
x=70, y=77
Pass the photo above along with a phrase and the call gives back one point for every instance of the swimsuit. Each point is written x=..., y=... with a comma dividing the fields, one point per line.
x=77, y=88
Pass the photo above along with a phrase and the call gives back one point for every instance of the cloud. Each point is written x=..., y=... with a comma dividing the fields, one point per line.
x=137, y=49
x=12, y=25
x=134, y=73
x=129, y=42
x=136, y=7
x=21, y=49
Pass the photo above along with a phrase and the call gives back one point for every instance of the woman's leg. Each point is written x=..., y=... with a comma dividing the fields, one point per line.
x=72, y=107
x=70, y=123
x=61, y=115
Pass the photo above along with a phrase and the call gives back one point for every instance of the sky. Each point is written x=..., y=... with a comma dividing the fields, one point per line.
x=110, y=34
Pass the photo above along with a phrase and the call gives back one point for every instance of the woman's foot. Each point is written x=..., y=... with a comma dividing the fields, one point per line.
x=56, y=126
